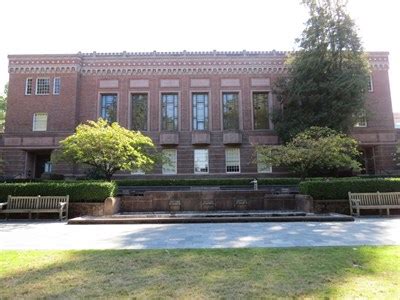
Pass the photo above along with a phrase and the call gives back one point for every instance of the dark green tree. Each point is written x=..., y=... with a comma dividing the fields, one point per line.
x=328, y=75
x=3, y=108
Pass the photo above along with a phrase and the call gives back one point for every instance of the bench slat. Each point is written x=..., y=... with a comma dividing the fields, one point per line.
x=37, y=204
x=374, y=201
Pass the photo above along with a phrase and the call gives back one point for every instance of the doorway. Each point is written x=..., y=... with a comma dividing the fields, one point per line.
x=368, y=160
x=36, y=161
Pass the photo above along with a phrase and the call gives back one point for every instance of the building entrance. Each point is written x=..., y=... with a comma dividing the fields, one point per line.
x=36, y=163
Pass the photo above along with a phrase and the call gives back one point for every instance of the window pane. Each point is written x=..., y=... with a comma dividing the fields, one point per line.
x=230, y=110
x=109, y=107
x=232, y=160
x=169, y=112
x=39, y=122
x=260, y=110
x=170, y=164
x=42, y=86
x=28, y=86
x=200, y=111
x=263, y=167
x=57, y=86
x=370, y=84
x=361, y=119
x=201, y=161
x=139, y=112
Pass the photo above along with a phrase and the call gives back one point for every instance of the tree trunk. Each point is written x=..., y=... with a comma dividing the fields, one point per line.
x=108, y=176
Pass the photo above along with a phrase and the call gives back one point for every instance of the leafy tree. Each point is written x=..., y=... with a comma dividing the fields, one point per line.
x=108, y=148
x=315, y=148
x=3, y=108
x=328, y=75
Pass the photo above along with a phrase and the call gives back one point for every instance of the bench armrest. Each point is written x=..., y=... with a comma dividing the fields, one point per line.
x=355, y=201
x=4, y=204
x=63, y=204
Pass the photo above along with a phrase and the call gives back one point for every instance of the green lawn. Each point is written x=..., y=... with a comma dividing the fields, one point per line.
x=335, y=272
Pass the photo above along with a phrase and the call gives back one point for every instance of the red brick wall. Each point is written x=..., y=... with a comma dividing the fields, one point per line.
x=82, y=77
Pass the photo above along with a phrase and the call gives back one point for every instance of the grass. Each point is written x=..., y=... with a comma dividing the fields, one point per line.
x=334, y=272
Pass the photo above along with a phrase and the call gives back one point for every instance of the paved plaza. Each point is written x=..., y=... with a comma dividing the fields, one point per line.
x=59, y=235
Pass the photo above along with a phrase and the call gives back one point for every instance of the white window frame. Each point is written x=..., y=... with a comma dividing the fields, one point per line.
x=371, y=84
x=26, y=86
x=35, y=124
x=194, y=162
x=228, y=160
x=362, y=124
x=54, y=85
x=262, y=167
x=172, y=167
x=37, y=84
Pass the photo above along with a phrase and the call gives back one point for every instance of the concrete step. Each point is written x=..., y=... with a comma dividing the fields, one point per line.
x=211, y=217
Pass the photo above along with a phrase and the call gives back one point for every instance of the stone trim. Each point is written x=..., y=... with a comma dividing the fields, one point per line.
x=130, y=63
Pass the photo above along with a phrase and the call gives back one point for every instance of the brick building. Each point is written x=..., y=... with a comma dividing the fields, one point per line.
x=205, y=110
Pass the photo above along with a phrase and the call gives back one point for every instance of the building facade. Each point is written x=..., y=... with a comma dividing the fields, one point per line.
x=204, y=110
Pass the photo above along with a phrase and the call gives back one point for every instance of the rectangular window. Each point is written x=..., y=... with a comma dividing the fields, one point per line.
x=170, y=164
x=42, y=86
x=200, y=161
x=39, y=122
x=200, y=111
x=361, y=119
x=57, y=86
x=370, y=84
x=28, y=86
x=260, y=110
x=232, y=160
x=139, y=112
x=169, y=112
x=263, y=167
x=108, y=110
x=230, y=103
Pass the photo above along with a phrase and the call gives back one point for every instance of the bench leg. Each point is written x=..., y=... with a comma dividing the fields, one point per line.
x=30, y=215
x=358, y=212
x=388, y=211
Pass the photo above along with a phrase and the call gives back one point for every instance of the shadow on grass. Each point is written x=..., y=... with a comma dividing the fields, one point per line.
x=233, y=273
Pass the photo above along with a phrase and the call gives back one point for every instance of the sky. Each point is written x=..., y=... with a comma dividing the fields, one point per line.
x=70, y=26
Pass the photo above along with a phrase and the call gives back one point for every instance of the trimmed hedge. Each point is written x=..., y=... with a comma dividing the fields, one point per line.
x=339, y=188
x=77, y=191
x=206, y=182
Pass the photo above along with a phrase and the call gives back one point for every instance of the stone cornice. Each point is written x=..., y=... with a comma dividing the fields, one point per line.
x=165, y=63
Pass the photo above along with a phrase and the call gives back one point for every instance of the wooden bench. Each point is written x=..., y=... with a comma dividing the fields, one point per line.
x=376, y=200
x=39, y=204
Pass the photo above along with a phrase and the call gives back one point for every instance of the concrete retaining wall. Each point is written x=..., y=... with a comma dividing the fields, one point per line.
x=213, y=200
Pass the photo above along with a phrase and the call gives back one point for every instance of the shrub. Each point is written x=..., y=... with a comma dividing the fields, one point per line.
x=52, y=176
x=77, y=191
x=339, y=188
x=206, y=182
